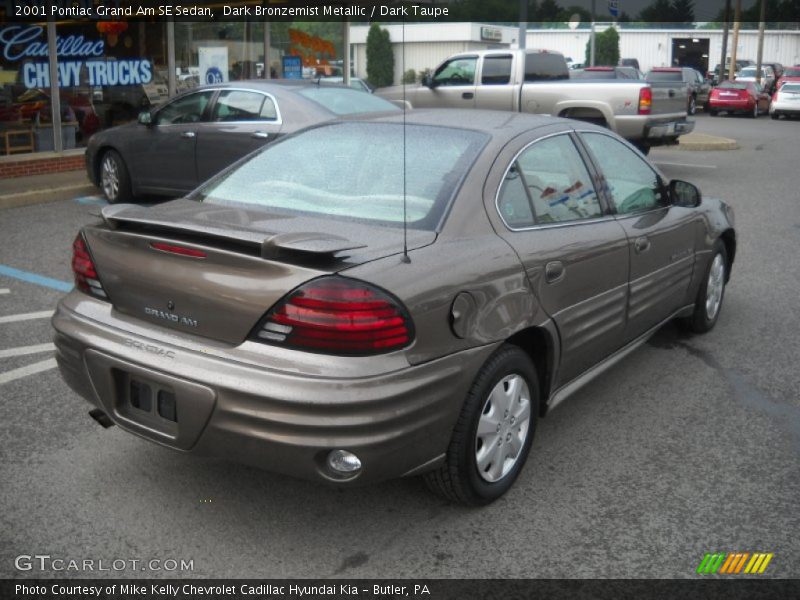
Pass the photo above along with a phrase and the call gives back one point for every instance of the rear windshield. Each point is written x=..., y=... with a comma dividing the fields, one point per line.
x=344, y=101
x=792, y=88
x=355, y=171
x=585, y=74
x=732, y=85
x=544, y=66
x=792, y=72
x=664, y=76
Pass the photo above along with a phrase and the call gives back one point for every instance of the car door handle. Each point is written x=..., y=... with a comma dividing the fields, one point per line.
x=259, y=135
x=188, y=134
x=641, y=244
x=467, y=95
x=554, y=271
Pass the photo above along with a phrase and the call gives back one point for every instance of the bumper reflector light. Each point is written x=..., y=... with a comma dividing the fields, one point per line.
x=343, y=462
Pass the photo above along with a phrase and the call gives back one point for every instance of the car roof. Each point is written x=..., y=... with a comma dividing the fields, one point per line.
x=496, y=123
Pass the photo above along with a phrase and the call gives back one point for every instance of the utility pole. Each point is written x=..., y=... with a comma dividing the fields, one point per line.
x=592, y=39
x=726, y=25
x=523, y=24
x=762, y=17
x=737, y=21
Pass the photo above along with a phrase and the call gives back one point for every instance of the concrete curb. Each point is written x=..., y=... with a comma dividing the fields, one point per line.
x=701, y=141
x=46, y=195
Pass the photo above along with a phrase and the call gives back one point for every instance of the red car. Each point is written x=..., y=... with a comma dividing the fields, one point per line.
x=789, y=74
x=745, y=97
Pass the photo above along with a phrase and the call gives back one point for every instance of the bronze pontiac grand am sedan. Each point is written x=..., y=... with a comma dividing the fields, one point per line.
x=281, y=315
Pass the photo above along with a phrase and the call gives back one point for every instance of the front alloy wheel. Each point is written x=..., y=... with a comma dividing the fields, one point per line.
x=692, y=108
x=114, y=179
x=708, y=303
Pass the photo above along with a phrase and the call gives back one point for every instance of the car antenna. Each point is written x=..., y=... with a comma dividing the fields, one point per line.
x=406, y=258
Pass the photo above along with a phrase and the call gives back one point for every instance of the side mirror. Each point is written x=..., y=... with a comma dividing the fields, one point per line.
x=683, y=193
x=145, y=118
x=429, y=82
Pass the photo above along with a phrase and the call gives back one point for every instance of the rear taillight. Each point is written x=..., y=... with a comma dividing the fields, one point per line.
x=85, y=272
x=645, y=100
x=336, y=315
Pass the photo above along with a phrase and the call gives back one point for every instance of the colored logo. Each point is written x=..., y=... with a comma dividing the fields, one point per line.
x=734, y=563
x=213, y=75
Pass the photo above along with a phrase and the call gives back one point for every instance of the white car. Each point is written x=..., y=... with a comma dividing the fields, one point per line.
x=786, y=101
x=749, y=74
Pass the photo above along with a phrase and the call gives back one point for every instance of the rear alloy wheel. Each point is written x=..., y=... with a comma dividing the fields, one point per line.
x=692, y=107
x=114, y=179
x=493, y=435
x=708, y=304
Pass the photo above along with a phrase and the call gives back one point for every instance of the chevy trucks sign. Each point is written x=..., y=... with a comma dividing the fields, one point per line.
x=22, y=43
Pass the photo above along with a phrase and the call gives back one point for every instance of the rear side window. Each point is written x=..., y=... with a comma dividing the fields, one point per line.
x=664, y=76
x=543, y=66
x=548, y=183
x=346, y=101
x=354, y=171
x=239, y=105
x=496, y=70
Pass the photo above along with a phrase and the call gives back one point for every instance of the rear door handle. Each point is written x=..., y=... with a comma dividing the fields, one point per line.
x=259, y=135
x=467, y=95
x=188, y=134
x=641, y=244
x=554, y=271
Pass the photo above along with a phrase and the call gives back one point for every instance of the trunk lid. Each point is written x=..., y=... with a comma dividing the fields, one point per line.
x=245, y=261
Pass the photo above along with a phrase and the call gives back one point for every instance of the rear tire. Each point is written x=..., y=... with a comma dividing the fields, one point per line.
x=775, y=116
x=114, y=179
x=708, y=303
x=713, y=112
x=691, y=108
x=643, y=148
x=493, y=435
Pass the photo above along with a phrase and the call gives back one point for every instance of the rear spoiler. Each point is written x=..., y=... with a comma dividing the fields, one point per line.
x=270, y=245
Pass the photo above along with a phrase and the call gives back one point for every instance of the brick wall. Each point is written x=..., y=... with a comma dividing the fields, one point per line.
x=29, y=166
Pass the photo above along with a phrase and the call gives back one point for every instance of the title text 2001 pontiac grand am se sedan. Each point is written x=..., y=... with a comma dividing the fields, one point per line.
x=272, y=317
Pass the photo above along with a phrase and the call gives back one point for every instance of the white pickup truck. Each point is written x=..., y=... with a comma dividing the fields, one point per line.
x=537, y=81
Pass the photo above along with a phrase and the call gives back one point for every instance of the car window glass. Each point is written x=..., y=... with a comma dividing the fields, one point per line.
x=238, y=105
x=459, y=71
x=269, y=111
x=496, y=70
x=514, y=203
x=557, y=183
x=347, y=101
x=545, y=66
x=632, y=184
x=303, y=174
x=188, y=109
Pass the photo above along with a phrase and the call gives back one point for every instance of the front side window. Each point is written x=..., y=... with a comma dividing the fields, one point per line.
x=632, y=184
x=459, y=71
x=188, y=109
x=239, y=105
x=548, y=183
x=496, y=70
x=355, y=171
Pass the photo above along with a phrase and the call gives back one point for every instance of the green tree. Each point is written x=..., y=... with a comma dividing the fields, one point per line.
x=683, y=11
x=606, y=52
x=380, y=57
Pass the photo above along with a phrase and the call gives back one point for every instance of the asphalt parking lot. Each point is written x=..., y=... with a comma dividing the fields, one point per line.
x=690, y=445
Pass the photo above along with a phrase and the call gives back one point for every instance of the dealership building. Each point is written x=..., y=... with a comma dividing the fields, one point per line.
x=62, y=81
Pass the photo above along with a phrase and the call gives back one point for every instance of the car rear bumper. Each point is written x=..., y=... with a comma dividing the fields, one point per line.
x=651, y=129
x=732, y=105
x=398, y=423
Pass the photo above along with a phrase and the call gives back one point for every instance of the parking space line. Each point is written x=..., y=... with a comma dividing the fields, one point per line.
x=56, y=284
x=38, y=367
x=23, y=350
x=44, y=314
x=4, y=291
x=96, y=200
x=671, y=164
